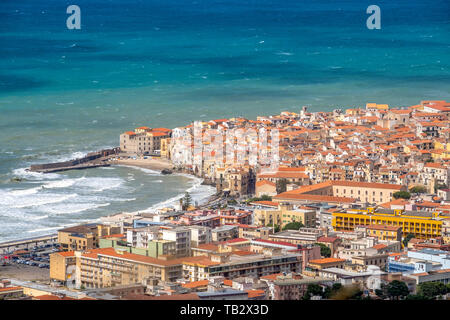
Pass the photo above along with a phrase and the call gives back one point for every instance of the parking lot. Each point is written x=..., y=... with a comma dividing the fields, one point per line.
x=36, y=258
x=24, y=272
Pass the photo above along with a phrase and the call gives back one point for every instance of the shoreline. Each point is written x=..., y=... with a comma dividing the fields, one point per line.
x=150, y=164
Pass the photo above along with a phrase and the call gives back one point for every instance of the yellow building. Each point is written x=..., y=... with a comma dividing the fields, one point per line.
x=285, y=214
x=165, y=148
x=62, y=266
x=84, y=237
x=423, y=225
x=383, y=232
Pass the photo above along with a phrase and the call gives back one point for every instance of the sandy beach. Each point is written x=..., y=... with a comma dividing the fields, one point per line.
x=152, y=164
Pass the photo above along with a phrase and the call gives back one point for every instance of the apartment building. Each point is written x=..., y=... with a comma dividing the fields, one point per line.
x=284, y=214
x=382, y=232
x=84, y=237
x=182, y=238
x=253, y=231
x=62, y=267
x=224, y=233
x=422, y=224
x=379, y=260
x=143, y=140
x=140, y=237
x=200, y=235
x=302, y=236
x=315, y=266
x=107, y=267
x=234, y=266
x=290, y=175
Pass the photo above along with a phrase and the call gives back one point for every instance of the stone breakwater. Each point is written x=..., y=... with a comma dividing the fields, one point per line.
x=91, y=160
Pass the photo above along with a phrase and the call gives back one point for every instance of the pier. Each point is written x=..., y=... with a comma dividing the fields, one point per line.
x=91, y=160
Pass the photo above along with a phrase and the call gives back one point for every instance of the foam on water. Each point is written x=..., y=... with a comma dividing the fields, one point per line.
x=100, y=184
x=145, y=170
x=41, y=200
x=70, y=208
x=30, y=175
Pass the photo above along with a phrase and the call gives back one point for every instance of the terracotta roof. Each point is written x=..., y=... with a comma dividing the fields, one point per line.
x=228, y=282
x=266, y=203
x=66, y=253
x=255, y=293
x=10, y=289
x=379, y=246
x=327, y=239
x=111, y=252
x=264, y=182
x=273, y=276
x=195, y=284
x=313, y=197
x=326, y=260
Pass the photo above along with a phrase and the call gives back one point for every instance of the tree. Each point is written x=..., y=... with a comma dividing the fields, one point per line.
x=330, y=292
x=313, y=290
x=397, y=289
x=351, y=292
x=402, y=194
x=281, y=185
x=431, y=289
x=418, y=189
x=186, y=201
x=293, y=225
x=336, y=286
x=264, y=197
x=408, y=237
x=324, y=250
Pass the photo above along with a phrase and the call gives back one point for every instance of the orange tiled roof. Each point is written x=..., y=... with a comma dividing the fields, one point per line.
x=326, y=260
x=195, y=284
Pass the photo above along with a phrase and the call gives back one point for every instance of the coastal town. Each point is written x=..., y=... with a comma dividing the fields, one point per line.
x=348, y=204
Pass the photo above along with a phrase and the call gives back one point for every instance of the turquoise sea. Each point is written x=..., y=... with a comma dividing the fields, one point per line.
x=164, y=63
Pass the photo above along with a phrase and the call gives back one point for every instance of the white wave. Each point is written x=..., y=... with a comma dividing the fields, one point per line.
x=46, y=229
x=149, y=172
x=199, y=193
x=41, y=200
x=157, y=181
x=281, y=53
x=60, y=184
x=30, y=175
x=100, y=184
x=73, y=156
x=62, y=209
x=37, y=217
x=24, y=192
